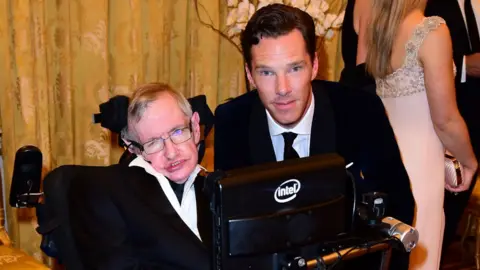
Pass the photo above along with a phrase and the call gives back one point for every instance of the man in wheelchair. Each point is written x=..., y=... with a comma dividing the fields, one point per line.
x=124, y=219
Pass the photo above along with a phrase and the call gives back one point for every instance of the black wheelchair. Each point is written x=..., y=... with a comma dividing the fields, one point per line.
x=52, y=202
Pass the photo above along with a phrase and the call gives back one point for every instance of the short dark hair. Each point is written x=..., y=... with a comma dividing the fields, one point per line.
x=276, y=20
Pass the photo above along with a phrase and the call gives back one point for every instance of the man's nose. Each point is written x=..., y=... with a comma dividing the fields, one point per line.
x=282, y=85
x=170, y=149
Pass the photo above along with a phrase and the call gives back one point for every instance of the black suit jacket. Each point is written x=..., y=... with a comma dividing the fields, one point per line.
x=352, y=123
x=468, y=97
x=468, y=94
x=121, y=219
x=450, y=11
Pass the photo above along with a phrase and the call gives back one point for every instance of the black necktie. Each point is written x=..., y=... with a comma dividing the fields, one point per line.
x=289, y=152
x=472, y=27
x=177, y=189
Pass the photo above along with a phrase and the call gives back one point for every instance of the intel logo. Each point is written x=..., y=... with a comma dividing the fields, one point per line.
x=287, y=191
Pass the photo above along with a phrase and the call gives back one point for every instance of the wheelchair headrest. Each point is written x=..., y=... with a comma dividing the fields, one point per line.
x=113, y=114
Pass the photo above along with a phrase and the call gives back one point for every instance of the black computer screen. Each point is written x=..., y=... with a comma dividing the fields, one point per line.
x=267, y=214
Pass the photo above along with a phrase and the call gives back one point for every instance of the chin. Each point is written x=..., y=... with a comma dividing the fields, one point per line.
x=288, y=118
x=288, y=121
x=182, y=175
x=178, y=178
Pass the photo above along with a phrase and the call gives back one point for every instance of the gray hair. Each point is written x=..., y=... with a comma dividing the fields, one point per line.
x=142, y=97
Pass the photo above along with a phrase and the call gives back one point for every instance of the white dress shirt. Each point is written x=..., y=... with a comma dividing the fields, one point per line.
x=301, y=144
x=476, y=11
x=187, y=210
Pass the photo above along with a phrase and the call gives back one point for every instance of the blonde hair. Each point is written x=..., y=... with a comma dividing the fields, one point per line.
x=142, y=97
x=387, y=15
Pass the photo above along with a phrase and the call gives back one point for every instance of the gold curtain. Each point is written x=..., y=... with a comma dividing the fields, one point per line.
x=61, y=58
x=329, y=49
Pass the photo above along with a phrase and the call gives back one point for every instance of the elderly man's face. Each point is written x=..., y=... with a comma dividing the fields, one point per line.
x=160, y=119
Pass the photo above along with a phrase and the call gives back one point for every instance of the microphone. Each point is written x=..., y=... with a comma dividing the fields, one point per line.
x=27, y=174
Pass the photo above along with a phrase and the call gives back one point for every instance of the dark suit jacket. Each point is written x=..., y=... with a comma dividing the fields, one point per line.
x=121, y=219
x=450, y=11
x=468, y=98
x=352, y=123
x=468, y=94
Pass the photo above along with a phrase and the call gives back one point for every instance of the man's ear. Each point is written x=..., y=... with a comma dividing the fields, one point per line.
x=195, y=122
x=315, y=67
x=249, y=75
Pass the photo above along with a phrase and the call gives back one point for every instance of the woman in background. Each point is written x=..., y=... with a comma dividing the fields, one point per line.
x=410, y=58
x=354, y=73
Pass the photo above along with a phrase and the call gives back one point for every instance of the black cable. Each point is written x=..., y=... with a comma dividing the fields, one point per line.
x=354, y=187
x=320, y=264
x=29, y=192
x=366, y=245
x=340, y=258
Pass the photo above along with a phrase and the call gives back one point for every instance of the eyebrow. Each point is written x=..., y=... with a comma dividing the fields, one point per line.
x=296, y=63
x=262, y=67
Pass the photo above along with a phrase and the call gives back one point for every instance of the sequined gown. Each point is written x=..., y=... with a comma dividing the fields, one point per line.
x=404, y=95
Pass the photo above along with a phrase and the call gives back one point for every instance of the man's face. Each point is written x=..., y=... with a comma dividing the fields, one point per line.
x=282, y=71
x=160, y=119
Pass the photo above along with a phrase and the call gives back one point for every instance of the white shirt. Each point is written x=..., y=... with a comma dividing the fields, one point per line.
x=187, y=210
x=301, y=144
x=476, y=11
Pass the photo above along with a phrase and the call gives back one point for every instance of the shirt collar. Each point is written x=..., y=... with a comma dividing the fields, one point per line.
x=304, y=127
x=140, y=162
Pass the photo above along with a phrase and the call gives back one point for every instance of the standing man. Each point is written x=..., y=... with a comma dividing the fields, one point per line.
x=291, y=115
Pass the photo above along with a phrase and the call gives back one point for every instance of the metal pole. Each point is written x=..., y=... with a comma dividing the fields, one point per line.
x=350, y=253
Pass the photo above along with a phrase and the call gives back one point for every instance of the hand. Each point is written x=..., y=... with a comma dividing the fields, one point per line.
x=472, y=62
x=468, y=172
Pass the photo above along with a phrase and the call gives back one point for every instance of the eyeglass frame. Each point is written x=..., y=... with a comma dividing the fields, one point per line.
x=141, y=147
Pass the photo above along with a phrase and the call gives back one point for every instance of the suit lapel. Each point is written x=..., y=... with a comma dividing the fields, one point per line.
x=260, y=143
x=455, y=11
x=149, y=190
x=323, y=136
x=450, y=10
